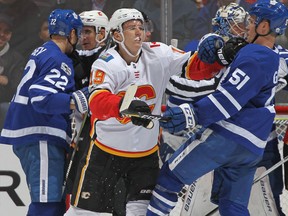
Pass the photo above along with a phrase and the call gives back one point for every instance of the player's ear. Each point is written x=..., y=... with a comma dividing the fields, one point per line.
x=264, y=27
x=117, y=36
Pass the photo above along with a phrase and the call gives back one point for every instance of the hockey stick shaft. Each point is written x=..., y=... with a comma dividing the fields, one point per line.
x=257, y=179
x=128, y=97
x=146, y=116
x=75, y=140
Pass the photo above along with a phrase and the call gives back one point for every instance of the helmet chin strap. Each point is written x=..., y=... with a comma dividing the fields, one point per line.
x=125, y=48
x=73, y=45
x=258, y=35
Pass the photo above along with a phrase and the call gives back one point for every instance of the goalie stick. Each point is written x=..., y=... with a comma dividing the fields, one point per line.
x=128, y=97
x=257, y=179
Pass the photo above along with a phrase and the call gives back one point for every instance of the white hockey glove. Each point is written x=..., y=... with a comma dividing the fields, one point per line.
x=182, y=117
x=79, y=99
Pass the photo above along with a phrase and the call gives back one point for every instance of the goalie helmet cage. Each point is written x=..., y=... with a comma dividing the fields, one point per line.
x=281, y=121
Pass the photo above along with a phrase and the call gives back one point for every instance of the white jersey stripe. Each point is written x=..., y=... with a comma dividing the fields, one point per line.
x=219, y=106
x=230, y=97
x=243, y=133
x=43, y=171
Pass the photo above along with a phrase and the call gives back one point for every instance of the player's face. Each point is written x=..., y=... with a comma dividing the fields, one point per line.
x=88, y=38
x=5, y=34
x=251, y=28
x=134, y=35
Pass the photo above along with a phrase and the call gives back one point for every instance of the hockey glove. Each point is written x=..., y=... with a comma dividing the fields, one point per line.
x=227, y=53
x=138, y=108
x=208, y=46
x=182, y=117
x=79, y=98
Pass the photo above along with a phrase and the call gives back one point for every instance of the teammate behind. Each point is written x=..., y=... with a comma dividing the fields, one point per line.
x=123, y=146
x=239, y=116
x=38, y=120
x=93, y=39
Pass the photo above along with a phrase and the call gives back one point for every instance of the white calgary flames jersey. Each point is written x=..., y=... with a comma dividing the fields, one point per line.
x=151, y=73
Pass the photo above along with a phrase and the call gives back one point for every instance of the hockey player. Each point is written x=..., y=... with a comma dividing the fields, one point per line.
x=93, y=38
x=228, y=22
x=245, y=90
x=38, y=120
x=271, y=153
x=124, y=147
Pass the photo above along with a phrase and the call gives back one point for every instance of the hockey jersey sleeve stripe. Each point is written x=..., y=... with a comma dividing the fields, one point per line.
x=36, y=99
x=219, y=106
x=230, y=97
x=179, y=83
x=43, y=88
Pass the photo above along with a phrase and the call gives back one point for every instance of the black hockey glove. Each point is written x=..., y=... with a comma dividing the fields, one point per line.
x=227, y=53
x=138, y=108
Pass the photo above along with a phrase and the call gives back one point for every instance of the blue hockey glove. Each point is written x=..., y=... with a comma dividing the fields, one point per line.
x=182, y=117
x=79, y=98
x=208, y=46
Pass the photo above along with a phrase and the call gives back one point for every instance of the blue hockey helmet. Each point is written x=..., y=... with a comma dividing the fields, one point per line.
x=61, y=22
x=275, y=12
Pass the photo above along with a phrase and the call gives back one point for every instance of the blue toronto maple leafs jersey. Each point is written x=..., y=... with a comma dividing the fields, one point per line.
x=40, y=109
x=242, y=107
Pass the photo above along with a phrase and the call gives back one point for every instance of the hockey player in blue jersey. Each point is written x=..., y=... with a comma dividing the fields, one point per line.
x=238, y=117
x=38, y=123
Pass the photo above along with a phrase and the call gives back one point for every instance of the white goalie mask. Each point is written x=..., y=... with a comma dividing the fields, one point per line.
x=97, y=19
x=228, y=18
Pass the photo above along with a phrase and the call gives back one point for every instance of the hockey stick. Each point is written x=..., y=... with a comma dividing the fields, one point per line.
x=257, y=179
x=75, y=140
x=128, y=97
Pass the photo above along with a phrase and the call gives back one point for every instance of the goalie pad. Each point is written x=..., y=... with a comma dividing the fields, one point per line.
x=261, y=200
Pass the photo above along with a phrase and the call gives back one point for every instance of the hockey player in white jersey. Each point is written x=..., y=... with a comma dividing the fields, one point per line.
x=38, y=123
x=236, y=97
x=123, y=146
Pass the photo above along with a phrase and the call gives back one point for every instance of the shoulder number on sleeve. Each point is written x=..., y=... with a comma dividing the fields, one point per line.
x=239, y=78
x=97, y=77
